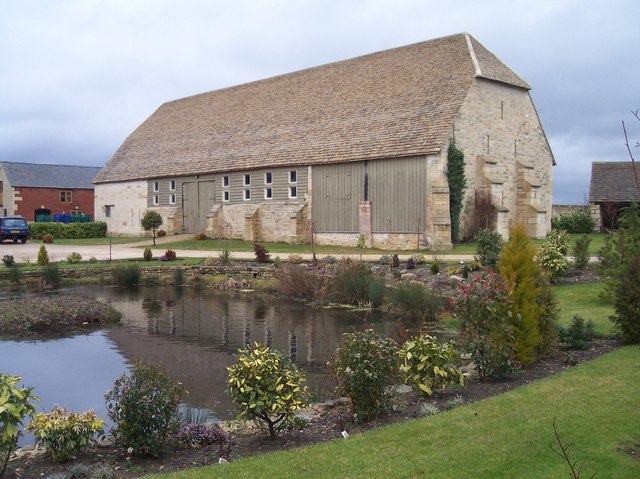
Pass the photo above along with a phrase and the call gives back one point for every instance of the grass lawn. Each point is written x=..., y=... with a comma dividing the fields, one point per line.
x=507, y=436
x=583, y=299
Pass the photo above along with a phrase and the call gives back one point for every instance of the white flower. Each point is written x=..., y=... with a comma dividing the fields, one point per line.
x=130, y=450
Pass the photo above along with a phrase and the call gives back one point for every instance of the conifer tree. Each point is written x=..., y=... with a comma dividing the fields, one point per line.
x=519, y=268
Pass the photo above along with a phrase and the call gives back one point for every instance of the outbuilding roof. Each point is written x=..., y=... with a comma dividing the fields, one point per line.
x=394, y=103
x=38, y=175
x=613, y=181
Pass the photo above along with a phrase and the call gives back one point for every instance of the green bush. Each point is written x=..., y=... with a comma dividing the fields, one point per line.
x=627, y=303
x=47, y=238
x=63, y=434
x=553, y=261
x=16, y=404
x=549, y=311
x=43, y=256
x=74, y=258
x=8, y=260
x=151, y=221
x=580, y=221
x=581, y=252
x=126, y=275
x=147, y=254
x=96, y=229
x=51, y=275
x=144, y=409
x=413, y=302
x=579, y=334
x=267, y=386
x=559, y=240
x=488, y=245
x=366, y=367
x=484, y=310
x=426, y=364
x=355, y=283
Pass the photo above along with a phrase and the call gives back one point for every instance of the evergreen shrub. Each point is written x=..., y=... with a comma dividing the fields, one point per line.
x=366, y=368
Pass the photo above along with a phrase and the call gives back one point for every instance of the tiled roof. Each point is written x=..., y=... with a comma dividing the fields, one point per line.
x=613, y=181
x=37, y=175
x=395, y=103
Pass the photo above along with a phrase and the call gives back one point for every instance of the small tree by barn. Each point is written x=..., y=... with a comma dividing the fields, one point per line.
x=151, y=221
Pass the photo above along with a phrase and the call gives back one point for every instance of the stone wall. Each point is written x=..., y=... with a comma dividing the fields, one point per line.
x=125, y=203
x=506, y=155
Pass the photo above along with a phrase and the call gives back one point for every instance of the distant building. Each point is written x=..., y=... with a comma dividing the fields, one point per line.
x=357, y=147
x=31, y=189
x=613, y=186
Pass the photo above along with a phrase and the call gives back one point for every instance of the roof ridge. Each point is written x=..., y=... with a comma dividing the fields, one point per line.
x=474, y=58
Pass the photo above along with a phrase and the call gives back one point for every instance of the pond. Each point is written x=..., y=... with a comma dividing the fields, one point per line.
x=195, y=333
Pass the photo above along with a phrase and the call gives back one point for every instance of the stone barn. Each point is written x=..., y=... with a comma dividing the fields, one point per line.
x=349, y=148
x=614, y=185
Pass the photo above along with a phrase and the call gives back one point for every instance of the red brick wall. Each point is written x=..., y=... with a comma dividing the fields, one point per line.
x=35, y=198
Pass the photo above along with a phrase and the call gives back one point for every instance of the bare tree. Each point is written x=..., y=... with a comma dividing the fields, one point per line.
x=637, y=146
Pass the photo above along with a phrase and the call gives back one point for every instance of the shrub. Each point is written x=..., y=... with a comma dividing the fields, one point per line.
x=488, y=245
x=200, y=435
x=200, y=236
x=15, y=275
x=484, y=310
x=411, y=264
x=459, y=268
x=43, y=256
x=97, y=229
x=385, y=260
x=548, y=316
x=552, y=260
x=435, y=266
x=581, y=252
x=619, y=248
x=144, y=408
x=74, y=258
x=395, y=261
x=295, y=258
x=262, y=253
x=126, y=275
x=267, y=386
x=579, y=221
x=8, y=260
x=355, y=283
x=103, y=471
x=51, y=275
x=559, y=240
x=161, y=233
x=47, y=238
x=579, y=334
x=296, y=282
x=16, y=404
x=627, y=303
x=63, y=434
x=168, y=255
x=147, y=255
x=426, y=364
x=225, y=256
x=328, y=260
x=418, y=258
x=365, y=366
x=80, y=470
x=414, y=302
x=518, y=268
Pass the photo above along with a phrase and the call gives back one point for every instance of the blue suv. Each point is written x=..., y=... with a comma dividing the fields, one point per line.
x=14, y=228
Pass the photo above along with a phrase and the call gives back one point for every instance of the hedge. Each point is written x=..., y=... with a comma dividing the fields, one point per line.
x=97, y=229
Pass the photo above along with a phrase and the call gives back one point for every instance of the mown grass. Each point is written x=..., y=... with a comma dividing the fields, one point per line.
x=584, y=300
x=505, y=436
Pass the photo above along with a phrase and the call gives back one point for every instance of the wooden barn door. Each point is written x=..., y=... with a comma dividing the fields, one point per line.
x=197, y=200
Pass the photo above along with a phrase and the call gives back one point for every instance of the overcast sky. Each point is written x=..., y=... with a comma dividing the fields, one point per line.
x=78, y=76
